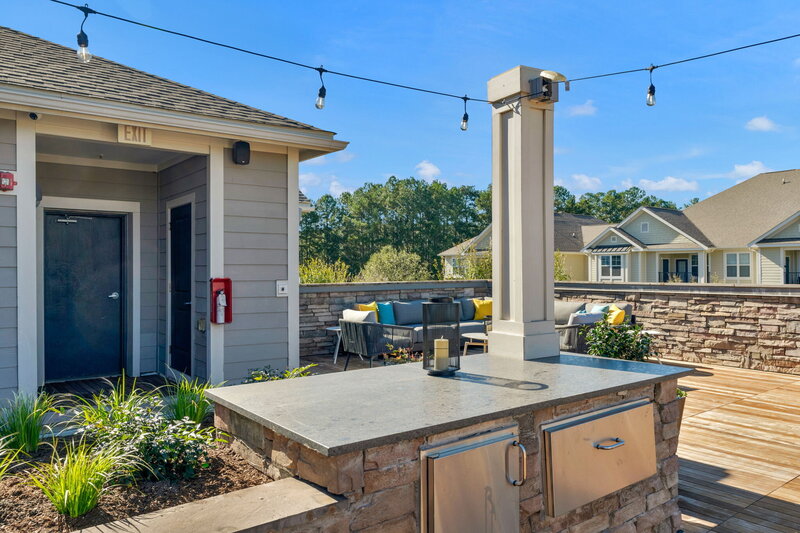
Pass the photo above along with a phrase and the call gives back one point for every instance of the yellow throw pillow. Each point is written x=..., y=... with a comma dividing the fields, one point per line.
x=615, y=315
x=483, y=309
x=369, y=307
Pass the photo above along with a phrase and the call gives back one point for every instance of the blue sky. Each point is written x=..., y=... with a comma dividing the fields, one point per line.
x=716, y=122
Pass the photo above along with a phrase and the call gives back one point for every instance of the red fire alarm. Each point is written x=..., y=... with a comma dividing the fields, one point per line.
x=7, y=181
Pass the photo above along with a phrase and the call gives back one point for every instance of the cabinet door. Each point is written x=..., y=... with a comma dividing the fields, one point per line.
x=470, y=488
x=611, y=449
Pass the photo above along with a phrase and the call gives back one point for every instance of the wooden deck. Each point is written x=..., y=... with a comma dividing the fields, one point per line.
x=740, y=452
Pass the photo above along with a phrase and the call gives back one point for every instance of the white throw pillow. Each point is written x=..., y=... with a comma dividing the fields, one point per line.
x=351, y=315
x=584, y=318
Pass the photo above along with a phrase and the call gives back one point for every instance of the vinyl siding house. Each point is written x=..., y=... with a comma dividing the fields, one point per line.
x=127, y=201
x=747, y=234
x=571, y=233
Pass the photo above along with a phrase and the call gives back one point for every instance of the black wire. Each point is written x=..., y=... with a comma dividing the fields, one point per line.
x=267, y=56
x=87, y=10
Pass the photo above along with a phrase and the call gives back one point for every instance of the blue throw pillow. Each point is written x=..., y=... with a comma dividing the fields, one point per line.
x=600, y=308
x=386, y=312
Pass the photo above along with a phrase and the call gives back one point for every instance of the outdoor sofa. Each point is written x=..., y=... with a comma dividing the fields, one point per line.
x=367, y=333
x=572, y=316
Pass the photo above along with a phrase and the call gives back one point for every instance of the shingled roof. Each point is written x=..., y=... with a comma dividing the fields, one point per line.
x=34, y=63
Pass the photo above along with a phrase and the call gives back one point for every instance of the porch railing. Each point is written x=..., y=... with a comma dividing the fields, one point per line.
x=676, y=277
x=791, y=278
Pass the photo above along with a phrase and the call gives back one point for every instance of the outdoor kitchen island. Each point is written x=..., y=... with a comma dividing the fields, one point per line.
x=504, y=445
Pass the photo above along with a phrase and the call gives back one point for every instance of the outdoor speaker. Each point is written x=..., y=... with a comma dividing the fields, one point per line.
x=241, y=153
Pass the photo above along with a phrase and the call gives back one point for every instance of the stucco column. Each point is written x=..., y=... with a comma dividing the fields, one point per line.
x=522, y=220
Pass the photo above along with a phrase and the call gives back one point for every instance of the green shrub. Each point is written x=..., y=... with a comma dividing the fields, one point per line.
x=136, y=421
x=259, y=375
x=623, y=341
x=316, y=270
x=76, y=476
x=390, y=264
x=680, y=393
x=23, y=420
x=7, y=455
x=188, y=400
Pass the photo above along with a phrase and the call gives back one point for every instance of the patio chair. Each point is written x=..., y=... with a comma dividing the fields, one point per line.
x=370, y=340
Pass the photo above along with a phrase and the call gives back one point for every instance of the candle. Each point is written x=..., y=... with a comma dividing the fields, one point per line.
x=441, y=354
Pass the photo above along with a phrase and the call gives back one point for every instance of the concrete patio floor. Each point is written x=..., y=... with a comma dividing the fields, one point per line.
x=739, y=448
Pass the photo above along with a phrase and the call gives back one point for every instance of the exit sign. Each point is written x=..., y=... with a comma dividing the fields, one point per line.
x=134, y=135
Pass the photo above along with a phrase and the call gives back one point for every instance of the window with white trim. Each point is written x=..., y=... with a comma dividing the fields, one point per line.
x=645, y=228
x=613, y=238
x=611, y=268
x=737, y=265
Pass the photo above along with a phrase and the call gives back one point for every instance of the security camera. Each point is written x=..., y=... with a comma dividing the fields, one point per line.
x=33, y=116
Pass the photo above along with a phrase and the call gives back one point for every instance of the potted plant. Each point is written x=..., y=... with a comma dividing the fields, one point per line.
x=618, y=341
x=681, y=399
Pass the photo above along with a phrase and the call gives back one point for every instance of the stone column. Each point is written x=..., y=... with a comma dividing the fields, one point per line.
x=522, y=220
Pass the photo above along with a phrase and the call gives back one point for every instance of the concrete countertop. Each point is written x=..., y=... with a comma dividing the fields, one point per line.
x=347, y=411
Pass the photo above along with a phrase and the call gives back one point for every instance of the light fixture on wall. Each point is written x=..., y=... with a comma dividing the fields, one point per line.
x=320, y=103
x=544, y=88
x=84, y=56
x=651, y=91
x=465, y=118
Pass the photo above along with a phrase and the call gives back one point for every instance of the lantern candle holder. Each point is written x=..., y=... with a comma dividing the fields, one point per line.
x=441, y=336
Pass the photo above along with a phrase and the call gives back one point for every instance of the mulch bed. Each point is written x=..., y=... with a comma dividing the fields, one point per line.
x=23, y=508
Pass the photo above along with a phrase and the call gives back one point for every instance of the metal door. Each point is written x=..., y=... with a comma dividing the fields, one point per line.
x=180, y=228
x=84, y=295
x=473, y=484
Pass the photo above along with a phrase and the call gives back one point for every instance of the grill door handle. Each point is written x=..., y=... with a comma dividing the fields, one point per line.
x=616, y=440
x=523, y=465
x=114, y=295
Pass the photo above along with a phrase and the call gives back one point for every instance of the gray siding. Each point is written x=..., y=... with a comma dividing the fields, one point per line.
x=8, y=144
x=187, y=177
x=8, y=295
x=121, y=185
x=256, y=244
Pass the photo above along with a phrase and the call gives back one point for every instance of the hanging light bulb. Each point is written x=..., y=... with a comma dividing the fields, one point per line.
x=651, y=91
x=320, y=103
x=84, y=56
x=465, y=118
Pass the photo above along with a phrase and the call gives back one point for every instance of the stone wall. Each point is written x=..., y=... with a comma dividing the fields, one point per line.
x=752, y=327
x=321, y=305
x=382, y=484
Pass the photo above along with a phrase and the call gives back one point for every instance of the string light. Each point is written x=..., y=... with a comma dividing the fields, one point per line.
x=320, y=103
x=84, y=56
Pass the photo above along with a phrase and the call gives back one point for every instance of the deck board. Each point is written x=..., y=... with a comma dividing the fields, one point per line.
x=740, y=452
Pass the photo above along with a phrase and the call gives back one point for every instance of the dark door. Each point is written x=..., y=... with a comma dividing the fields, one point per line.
x=665, y=270
x=682, y=269
x=83, y=296
x=180, y=250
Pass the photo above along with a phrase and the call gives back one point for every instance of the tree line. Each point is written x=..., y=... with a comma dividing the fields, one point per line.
x=403, y=224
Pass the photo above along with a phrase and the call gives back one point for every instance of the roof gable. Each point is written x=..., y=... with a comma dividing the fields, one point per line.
x=33, y=63
x=751, y=209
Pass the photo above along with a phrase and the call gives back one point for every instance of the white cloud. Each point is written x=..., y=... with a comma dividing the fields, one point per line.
x=336, y=188
x=748, y=170
x=627, y=184
x=560, y=150
x=582, y=110
x=796, y=62
x=669, y=183
x=344, y=157
x=427, y=170
x=761, y=123
x=586, y=183
x=317, y=161
x=309, y=179
x=558, y=181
